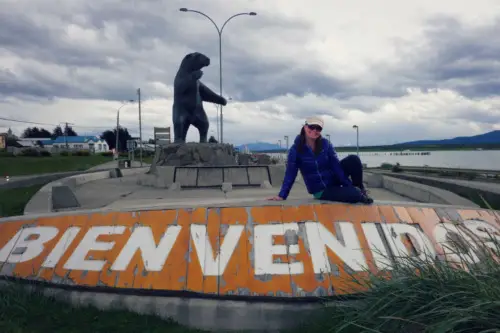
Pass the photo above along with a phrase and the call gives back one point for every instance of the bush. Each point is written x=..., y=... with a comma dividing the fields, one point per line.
x=81, y=153
x=64, y=153
x=386, y=166
x=45, y=153
x=396, y=168
x=31, y=152
x=422, y=295
x=107, y=153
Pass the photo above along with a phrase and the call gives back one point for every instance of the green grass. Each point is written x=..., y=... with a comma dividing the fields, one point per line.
x=22, y=311
x=12, y=201
x=423, y=296
x=20, y=166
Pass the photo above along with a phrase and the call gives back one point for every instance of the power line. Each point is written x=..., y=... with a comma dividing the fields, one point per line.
x=26, y=122
x=47, y=124
x=111, y=128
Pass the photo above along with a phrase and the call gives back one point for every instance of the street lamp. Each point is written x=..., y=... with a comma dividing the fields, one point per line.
x=118, y=124
x=219, y=31
x=286, y=140
x=328, y=136
x=357, y=138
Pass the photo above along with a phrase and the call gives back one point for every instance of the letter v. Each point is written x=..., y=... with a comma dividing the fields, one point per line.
x=204, y=250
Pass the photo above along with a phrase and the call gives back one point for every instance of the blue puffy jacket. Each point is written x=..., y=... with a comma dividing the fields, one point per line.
x=318, y=172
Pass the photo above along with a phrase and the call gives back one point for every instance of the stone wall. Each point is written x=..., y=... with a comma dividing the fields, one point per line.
x=195, y=154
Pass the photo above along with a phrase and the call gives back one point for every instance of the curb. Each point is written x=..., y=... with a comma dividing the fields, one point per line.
x=43, y=201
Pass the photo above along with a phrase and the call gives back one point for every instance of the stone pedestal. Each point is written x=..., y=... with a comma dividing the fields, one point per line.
x=195, y=154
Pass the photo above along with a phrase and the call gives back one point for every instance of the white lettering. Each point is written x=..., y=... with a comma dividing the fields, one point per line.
x=204, y=249
x=154, y=257
x=22, y=247
x=78, y=260
x=489, y=235
x=377, y=247
x=395, y=231
x=455, y=249
x=265, y=250
x=61, y=247
x=349, y=252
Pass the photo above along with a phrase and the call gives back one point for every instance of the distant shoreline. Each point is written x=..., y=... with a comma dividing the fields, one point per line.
x=392, y=149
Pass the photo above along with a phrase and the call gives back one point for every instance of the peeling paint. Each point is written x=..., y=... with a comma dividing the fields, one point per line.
x=312, y=254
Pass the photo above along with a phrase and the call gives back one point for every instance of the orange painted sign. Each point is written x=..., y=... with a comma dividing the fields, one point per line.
x=288, y=251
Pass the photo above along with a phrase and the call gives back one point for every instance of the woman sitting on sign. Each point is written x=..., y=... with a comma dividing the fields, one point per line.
x=326, y=177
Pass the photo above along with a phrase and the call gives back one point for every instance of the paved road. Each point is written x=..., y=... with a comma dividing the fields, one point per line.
x=124, y=192
x=114, y=164
x=480, y=185
x=43, y=178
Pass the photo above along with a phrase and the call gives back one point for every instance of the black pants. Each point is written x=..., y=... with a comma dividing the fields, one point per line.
x=353, y=168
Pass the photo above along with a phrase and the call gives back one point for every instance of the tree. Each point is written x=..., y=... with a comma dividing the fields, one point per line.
x=36, y=133
x=57, y=132
x=110, y=137
x=212, y=140
x=69, y=131
x=151, y=141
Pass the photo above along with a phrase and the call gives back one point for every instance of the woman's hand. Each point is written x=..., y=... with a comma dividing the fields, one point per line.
x=275, y=198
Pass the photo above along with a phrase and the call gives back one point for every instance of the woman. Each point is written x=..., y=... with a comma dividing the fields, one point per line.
x=326, y=177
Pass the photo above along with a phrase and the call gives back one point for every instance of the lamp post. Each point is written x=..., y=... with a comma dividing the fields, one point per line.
x=286, y=140
x=118, y=124
x=328, y=136
x=219, y=31
x=357, y=138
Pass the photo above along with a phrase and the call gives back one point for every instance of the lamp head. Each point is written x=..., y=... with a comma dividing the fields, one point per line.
x=252, y=13
x=183, y=9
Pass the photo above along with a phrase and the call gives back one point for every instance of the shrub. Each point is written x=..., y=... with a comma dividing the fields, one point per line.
x=422, y=295
x=45, y=153
x=107, y=153
x=64, y=153
x=386, y=166
x=31, y=152
x=81, y=153
x=396, y=168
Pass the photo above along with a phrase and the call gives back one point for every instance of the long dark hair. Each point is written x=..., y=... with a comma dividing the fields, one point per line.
x=318, y=145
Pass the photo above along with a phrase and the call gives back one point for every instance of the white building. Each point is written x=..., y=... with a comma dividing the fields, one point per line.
x=90, y=143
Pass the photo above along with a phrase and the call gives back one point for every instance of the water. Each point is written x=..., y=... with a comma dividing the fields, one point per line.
x=466, y=159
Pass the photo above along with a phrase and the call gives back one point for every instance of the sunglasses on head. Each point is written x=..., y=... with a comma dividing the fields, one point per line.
x=315, y=128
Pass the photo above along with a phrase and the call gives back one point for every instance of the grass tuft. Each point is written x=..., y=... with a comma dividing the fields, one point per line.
x=423, y=295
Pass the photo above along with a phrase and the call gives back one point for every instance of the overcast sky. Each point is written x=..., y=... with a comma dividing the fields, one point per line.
x=401, y=70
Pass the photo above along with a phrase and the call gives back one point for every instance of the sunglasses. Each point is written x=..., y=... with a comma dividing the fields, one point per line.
x=315, y=128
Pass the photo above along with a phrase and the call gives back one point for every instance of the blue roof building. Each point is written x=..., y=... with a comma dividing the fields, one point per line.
x=89, y=142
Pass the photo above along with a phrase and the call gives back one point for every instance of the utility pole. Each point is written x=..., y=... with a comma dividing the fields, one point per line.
x=65, y=133
x=140, y=123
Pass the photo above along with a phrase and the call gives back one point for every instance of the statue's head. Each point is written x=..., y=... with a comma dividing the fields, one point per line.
x=195, y=61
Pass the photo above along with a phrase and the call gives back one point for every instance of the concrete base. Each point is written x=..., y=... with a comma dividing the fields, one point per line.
x=416, y=191
x=216, y=315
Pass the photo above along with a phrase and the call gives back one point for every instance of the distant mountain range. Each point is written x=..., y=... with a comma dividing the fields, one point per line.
x=486, y=138
x=260, y=146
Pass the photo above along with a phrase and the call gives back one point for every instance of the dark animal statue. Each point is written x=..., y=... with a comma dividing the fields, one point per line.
x=189, y=95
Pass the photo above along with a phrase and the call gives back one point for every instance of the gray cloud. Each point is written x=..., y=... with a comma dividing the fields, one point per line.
x=155, y=38
x=453, y=56
x=136, y=44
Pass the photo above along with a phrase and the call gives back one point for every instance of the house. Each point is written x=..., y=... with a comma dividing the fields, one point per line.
x=92, y=143
x=32, y=142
